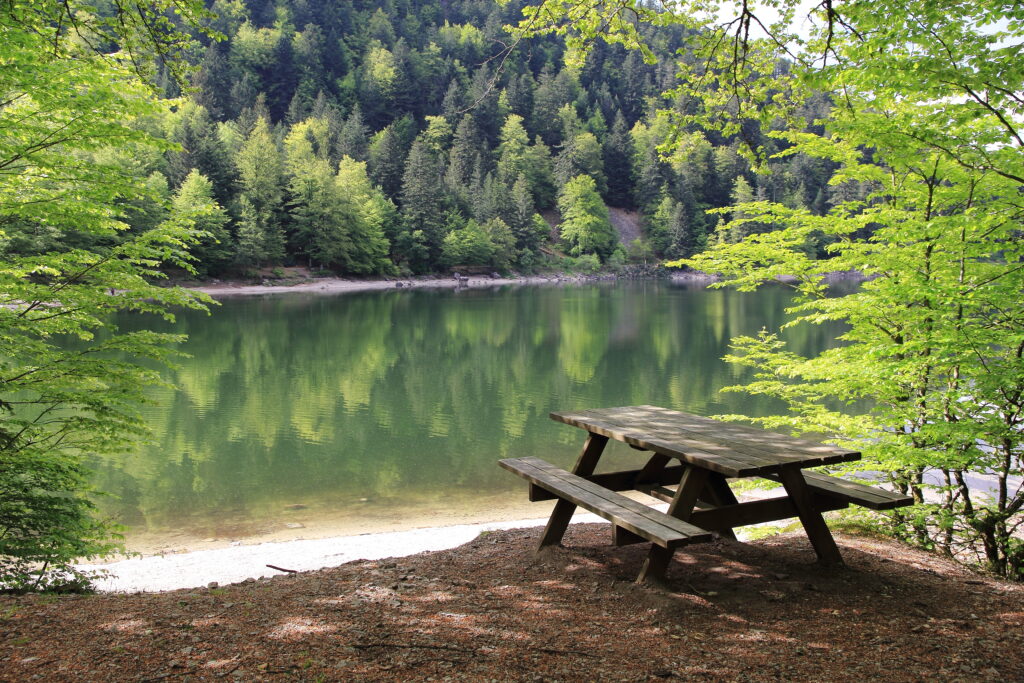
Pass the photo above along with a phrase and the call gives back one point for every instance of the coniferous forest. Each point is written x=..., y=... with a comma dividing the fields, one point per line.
x=408, y=137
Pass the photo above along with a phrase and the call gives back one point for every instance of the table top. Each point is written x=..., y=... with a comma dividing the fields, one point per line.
x=730, y=449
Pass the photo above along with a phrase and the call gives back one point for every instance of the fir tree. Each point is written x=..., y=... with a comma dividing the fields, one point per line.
x=352, y=138
x=461, y=157
x=618, y=163
x=423, y=198
x=387, y=161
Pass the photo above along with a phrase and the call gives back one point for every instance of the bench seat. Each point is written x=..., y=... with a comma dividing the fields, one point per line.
x=625, y=513
x=851, y=492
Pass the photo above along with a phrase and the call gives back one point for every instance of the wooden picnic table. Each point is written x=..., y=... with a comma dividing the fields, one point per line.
x=701, y=504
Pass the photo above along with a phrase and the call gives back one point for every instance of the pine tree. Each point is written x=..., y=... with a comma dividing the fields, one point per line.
x=512, y=147
x=372, y=217
x=496, y=202
x=319, y=224
x=352, y=138
x=553, y=92
x=464, y=150
x=651, y=179
x=452, y=104
x=540, y=174
x=201, y=148
x=483, y=98
x=521, y=214
x=581, y=155
x=741, y=193
x=212, y=83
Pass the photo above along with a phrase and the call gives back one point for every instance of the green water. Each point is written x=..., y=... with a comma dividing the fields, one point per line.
x=386, y=409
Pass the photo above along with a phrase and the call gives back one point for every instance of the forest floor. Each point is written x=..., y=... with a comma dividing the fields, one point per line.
x=491, y=610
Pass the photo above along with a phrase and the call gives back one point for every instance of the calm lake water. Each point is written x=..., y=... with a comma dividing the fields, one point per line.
x=311, y=414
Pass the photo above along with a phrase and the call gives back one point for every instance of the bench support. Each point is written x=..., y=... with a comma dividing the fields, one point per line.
x=562, y=514
x=814, y=524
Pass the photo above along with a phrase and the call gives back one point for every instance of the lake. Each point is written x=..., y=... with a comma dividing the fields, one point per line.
x=302, y=415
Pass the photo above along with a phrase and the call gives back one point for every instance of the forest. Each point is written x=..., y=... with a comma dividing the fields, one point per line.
x=408, y=137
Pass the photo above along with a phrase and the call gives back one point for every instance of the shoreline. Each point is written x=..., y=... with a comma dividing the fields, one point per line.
x=231, y=288
x=338, y=285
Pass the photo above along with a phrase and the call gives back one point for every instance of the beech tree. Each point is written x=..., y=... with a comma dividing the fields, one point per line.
x=195, y=200
x=64, y=106
x=261, y=175
x=585, y=227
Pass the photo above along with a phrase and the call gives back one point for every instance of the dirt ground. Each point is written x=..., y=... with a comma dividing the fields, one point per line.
x=490, y=610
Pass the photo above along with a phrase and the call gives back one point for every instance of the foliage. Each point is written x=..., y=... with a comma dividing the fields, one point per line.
x=587, y=263
x=194, y=199
x=585, y=227
x=469, y=246
x=69, y=386
x=925, y=133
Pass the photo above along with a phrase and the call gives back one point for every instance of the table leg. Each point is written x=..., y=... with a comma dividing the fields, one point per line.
x=693, y=482
x=562, y=514
x=717, y=492
x=814, y=524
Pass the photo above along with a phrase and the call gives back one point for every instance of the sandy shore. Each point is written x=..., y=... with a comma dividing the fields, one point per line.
x=332, y=285
x=240, y=562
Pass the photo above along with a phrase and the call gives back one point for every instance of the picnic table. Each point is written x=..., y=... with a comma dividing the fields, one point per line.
x=707, y=453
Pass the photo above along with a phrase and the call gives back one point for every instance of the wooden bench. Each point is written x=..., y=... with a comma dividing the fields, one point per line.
x=624, y=513
x=852, y=492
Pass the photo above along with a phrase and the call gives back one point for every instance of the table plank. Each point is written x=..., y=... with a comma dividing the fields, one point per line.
x=729, y=449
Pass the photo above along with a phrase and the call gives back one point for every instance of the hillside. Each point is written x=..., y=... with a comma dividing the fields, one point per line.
x=402, y=137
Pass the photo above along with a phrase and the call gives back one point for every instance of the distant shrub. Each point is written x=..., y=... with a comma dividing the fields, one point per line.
x=588, y=263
